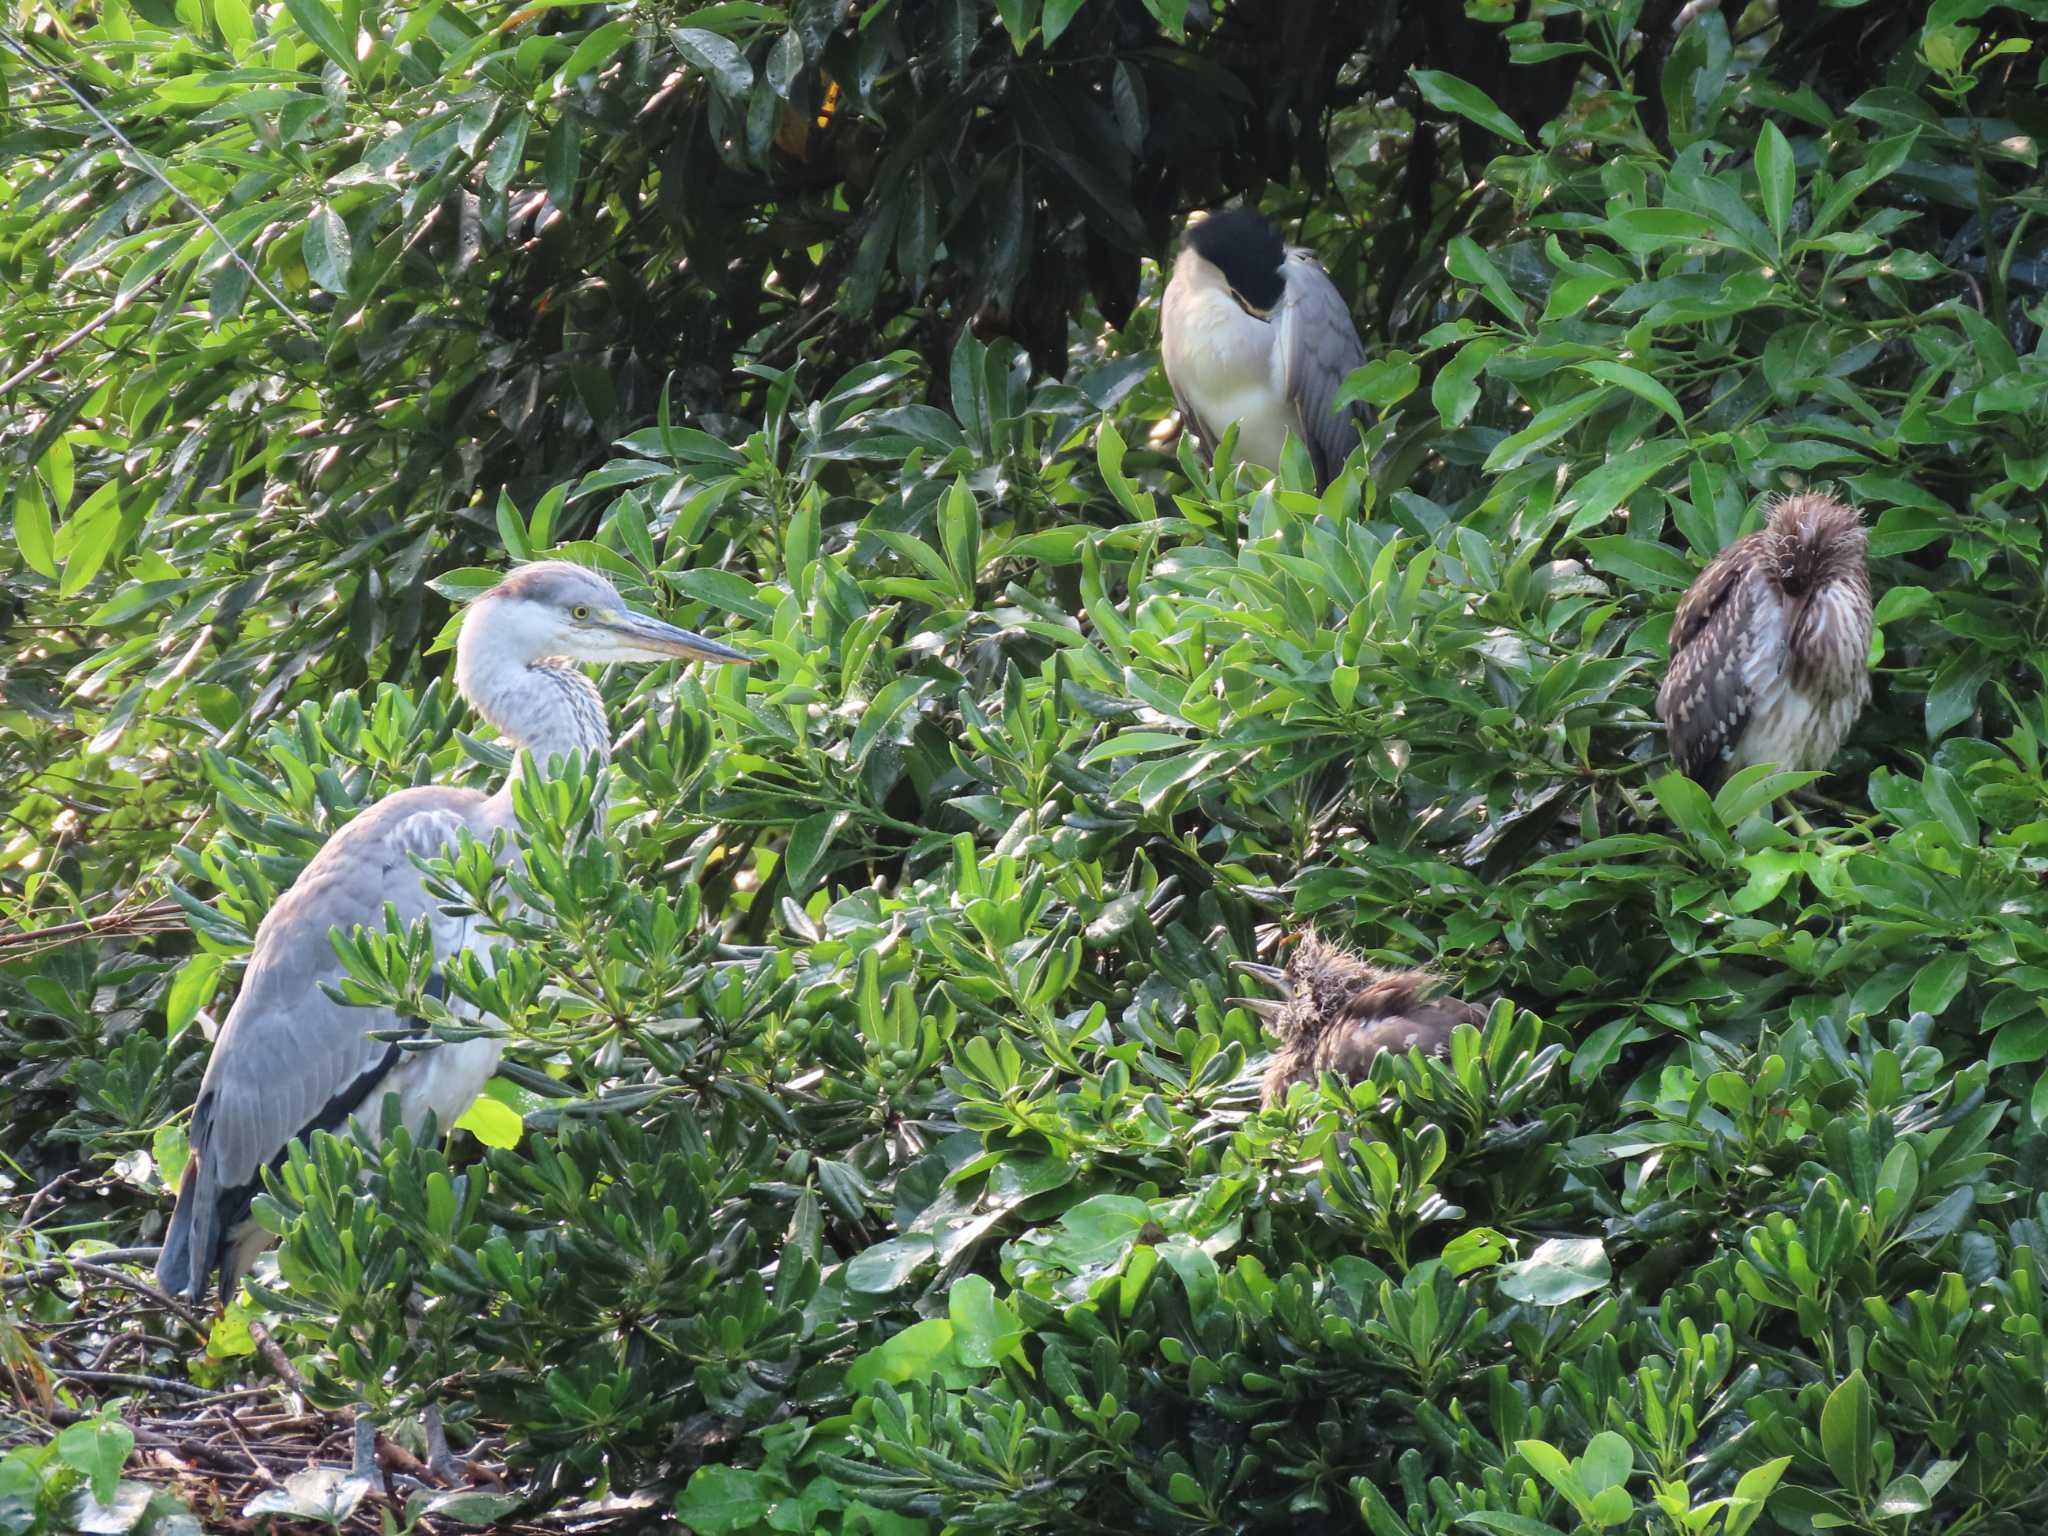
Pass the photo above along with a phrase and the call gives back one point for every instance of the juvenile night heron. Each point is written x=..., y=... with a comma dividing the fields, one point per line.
x=290, y=1060
x=1254, y=332
x=1341, y=1012
x=1770, y=647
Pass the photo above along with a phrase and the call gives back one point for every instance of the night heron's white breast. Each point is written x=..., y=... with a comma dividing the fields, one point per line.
x=1226, y=364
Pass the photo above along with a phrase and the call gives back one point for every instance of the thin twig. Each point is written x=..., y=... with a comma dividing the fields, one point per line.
x=131, y=1379
x=287, y=1372
x=92, y=927
x=55, y=1269
x=145, y=1290
x=57, y=349
x=35, y=1200
x=147, y=164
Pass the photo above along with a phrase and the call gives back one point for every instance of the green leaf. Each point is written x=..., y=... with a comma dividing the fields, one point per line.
x=1637, y=383
x=508, y=152
x=915, y=1354
x=1464, y=259
x=1642, y=562
x=2019, y=1042
x=986, y=1331
x=724, y=1501
x=1474, y=1249
x=32, y=529
x=1506, y=1524
x=323, y=1495
x=1546, y=427
x=1380, y=383
x=326, y=32
x=1456, y=390
x=92, y=536
x=170, y=1149
x=1172, y=15
x=1775, y=178
x=99, y=1449
x=809, y=841
x=598, y=48
x=1448, y=93
x=1848, y=1431
x=1594, y=498
x=1755, y=788
x=328, y=248
x=191, y=990
x=1939, y=981
x=491, y=1123
x=1690, y=810
x=1561, y=1269
x=717, y=58
x=1554, y=1467
x=1057, y=14
x=560, y=162
x=897, y=695
x=136, y=598
x=479, y=1507
x=725, y=590
x=1607, y=1462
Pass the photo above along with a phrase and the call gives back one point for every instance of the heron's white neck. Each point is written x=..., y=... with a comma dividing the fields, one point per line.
x=545, y=706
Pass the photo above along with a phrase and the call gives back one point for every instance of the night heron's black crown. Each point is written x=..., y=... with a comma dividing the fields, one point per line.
x=1246, y=250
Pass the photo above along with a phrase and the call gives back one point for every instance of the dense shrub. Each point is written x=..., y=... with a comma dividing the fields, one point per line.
x=878, y=1149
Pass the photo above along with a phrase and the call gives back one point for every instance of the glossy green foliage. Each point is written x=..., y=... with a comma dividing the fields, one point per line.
x=878, y=1145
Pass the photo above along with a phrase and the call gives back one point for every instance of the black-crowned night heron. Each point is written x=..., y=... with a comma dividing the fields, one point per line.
x=1254, y=332
x=1340, y=1012
x=290, y=1060
x=1770, y=648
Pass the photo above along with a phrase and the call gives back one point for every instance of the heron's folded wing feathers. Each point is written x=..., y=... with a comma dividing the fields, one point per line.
x=1705, y=700
x=290, y=1055
x=1319, y=348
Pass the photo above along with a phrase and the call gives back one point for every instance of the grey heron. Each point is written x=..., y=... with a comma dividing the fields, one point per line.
x=1341, y=1012
x=290, y=1060
x=1253, y=331
x=1770, y=647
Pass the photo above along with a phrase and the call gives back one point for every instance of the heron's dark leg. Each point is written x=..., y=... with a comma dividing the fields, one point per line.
x=365, y=1460
x=1814, y=797
x=444, y=1461
x=1792, y=814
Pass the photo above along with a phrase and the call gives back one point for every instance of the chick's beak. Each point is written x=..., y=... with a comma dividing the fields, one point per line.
x=1267, y=1010
x=1271, y=975
x=659, y=640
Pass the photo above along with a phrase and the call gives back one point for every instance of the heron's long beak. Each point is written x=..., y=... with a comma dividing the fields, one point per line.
x=661, y=640
x=1266, y=1009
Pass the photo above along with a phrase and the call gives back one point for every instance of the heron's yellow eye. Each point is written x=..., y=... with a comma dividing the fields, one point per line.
x=579, y=612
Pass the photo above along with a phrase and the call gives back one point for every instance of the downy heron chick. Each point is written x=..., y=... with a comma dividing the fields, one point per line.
x=1770, y=647
x=290, y=1060
x=1253, y=331
x=1340, y=1012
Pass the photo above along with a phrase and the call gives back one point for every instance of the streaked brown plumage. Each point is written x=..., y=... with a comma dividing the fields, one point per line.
x=1770, y=647
x=1341, y=1012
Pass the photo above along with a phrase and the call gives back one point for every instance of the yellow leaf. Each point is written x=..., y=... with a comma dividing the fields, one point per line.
x=492, y=1123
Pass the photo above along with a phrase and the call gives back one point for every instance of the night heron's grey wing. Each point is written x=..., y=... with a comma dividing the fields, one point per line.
x=1319, y=348
x=1707, y=694
x=290, y=1060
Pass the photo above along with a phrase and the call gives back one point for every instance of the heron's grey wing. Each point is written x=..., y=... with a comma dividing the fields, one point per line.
x=1319, y=347
x=1706, y=697
x=290, y=1059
